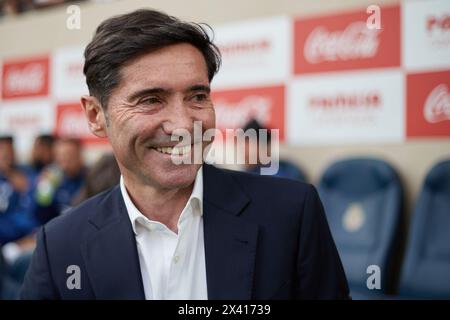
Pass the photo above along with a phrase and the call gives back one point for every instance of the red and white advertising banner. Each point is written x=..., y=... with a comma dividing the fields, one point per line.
x=25, y=120
x=25, y=78
x=254, y=53
x=68, y=80
x=426, y=35
x=346, y=108
x=345, y=42
x=1, y=80
x=235, y=107
x=71, y=122
x=428, y=104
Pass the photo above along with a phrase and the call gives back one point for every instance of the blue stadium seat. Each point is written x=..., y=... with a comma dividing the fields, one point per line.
x=286, y=169
x=426, y=268
x=363, y=202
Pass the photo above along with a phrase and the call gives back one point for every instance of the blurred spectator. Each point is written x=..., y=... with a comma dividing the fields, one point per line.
x=103, y=175
x=286, y=168
x=13, y=7
x=41, y=156
x=16, y=218
x=60, y=182
x=6, y=154
x=47, y=3
x=42, y=153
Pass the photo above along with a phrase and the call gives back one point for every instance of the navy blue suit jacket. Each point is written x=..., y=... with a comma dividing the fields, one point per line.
x=265, y=238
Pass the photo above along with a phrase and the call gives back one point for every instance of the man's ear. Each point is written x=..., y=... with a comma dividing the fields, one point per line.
x=94, y=115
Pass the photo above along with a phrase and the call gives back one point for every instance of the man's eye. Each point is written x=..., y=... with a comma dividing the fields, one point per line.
x=200, y=97
x=150, y=100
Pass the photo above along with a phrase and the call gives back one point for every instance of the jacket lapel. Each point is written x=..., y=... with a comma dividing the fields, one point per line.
x=230, y=241
x=110, y=253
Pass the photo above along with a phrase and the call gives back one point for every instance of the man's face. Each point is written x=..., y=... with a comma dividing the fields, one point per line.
x=160, y=93
x=68, y=158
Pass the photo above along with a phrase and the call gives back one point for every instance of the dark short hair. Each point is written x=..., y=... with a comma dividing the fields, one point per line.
x=7, y=139
x=70, y=140
x=46, y=139
x=123, y=37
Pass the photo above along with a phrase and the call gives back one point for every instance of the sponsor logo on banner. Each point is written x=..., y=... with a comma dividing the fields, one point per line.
x=71, y=122
x=68, y=80
x=356, y=41
x=344, y=41
x=254, y=53
x=439, y=29
x=25, y=119
x=428, y=101
x=356, y=107
x=234, y=108
x=426, y=32
x=344, y=101
x=25, y=78
x=244, y=47
x=343, y=108
x=31, y=116
x=437, y=105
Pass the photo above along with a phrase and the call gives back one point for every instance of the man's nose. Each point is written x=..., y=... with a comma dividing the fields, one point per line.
x=178, y=118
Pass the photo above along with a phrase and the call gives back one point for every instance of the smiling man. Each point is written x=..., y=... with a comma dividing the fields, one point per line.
x=171, y=230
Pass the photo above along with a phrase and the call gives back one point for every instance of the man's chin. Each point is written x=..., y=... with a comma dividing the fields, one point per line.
x=177, y=177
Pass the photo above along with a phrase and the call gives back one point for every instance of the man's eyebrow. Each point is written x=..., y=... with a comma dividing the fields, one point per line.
x=148, y=91
x=144, y=92
x=199, y=87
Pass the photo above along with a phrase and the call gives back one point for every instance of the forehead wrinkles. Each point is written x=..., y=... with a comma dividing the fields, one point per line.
x=177, y=76
x=168, y=64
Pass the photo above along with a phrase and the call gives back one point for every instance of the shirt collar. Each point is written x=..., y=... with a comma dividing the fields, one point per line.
x=195, y=202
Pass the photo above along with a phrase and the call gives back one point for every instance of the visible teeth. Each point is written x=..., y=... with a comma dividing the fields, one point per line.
x=175, y=150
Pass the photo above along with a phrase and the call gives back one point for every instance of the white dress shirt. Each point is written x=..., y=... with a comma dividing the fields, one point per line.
x=172, y=265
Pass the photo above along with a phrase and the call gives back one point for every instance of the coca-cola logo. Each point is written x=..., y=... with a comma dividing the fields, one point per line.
x=237, y=114
x=437, y=105
x=30, y=79
x=356, y=41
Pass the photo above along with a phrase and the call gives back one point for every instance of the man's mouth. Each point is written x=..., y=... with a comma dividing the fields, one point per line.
x=177, y=151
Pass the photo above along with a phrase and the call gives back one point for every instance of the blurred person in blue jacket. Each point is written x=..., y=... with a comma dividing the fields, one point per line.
x=59, y=183
x=286, y=168
x=16, y=218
